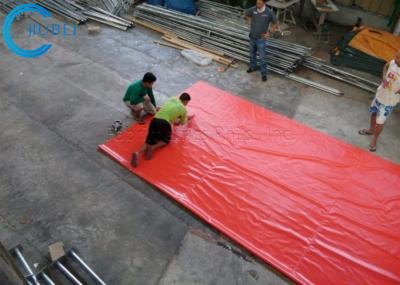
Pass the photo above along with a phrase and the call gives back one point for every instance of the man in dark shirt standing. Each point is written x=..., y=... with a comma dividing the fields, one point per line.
x=260, y=18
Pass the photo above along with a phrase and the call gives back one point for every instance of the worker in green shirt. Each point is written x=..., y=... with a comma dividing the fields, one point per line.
x=139, y=97
x=160, y=129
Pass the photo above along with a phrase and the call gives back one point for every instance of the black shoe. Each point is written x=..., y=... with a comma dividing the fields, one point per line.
x=250, y=70
x=264, y=78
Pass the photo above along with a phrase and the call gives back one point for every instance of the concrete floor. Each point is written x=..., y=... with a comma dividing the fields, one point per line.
x=54, y=185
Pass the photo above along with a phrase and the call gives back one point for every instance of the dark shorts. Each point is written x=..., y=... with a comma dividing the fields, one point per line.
x=159, y=130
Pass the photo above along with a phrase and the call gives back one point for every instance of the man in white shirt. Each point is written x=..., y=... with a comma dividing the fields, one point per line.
x=386, y=98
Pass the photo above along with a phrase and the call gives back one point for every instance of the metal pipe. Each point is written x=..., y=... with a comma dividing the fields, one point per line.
x=315, y=84
x=47, y=279
x=67, y=273
x=31, y=276
x=86, y=267
x=321, y=64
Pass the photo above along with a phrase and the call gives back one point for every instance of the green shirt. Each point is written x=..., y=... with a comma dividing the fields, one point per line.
x=135, y=93
x=172, y=110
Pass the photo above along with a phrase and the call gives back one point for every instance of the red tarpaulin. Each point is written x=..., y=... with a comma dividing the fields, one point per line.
x=318, y=209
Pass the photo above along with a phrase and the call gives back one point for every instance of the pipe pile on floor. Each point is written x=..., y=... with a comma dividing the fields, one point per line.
x=107, y=18
x=75, y=12
x=321, y=66
x=97, y=14
x=62, y=264
x=229, y=35
x=64, y=9
x=114, y=7
x=283, y=57
x=234, y=16
x=221, y=13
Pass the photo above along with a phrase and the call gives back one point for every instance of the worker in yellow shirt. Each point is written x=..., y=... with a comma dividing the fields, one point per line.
x=160, y=129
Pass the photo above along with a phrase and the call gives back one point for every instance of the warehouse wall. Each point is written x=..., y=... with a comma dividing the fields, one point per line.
x=347, y=16
x=380, y=7
x=375, y=13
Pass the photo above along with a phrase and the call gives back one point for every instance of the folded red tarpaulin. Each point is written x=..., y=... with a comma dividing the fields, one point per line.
x=318, y=209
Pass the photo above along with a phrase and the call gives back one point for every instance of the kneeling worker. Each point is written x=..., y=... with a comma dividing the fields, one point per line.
x=160, y=129
x=139, y=97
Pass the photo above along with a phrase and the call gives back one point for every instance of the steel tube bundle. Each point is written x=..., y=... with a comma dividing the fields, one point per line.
x=229, y=35
x=77, y=12
x=320, y=66
x=31, y=276
x=92, y=12
x=219, y=37
x=216, y=12
x=63, y=9
x=283, y=57
x=86, y=267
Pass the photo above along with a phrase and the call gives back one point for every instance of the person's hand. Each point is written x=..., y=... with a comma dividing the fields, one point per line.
x=266, y=36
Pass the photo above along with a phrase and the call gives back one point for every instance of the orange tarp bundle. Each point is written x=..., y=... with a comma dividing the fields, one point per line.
x=376, y=43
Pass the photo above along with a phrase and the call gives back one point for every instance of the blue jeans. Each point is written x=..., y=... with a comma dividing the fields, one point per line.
x=258, y=45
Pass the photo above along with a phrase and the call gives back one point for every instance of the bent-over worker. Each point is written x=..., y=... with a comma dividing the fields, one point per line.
x=160, y=129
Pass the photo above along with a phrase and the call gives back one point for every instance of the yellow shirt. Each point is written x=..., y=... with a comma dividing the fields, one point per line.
x=172, y=110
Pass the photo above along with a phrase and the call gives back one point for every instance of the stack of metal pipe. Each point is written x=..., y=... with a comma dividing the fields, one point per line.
x=225, y=14
x=75, y=12
x=63, y=9
x=282, y=57
x=107, y=18
x=60, y=7
x=321, y=66
x=38, y=278
x=105, y=11
x=101, y=15
x=116, y=7
x=222, y=28
x=234, y=16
